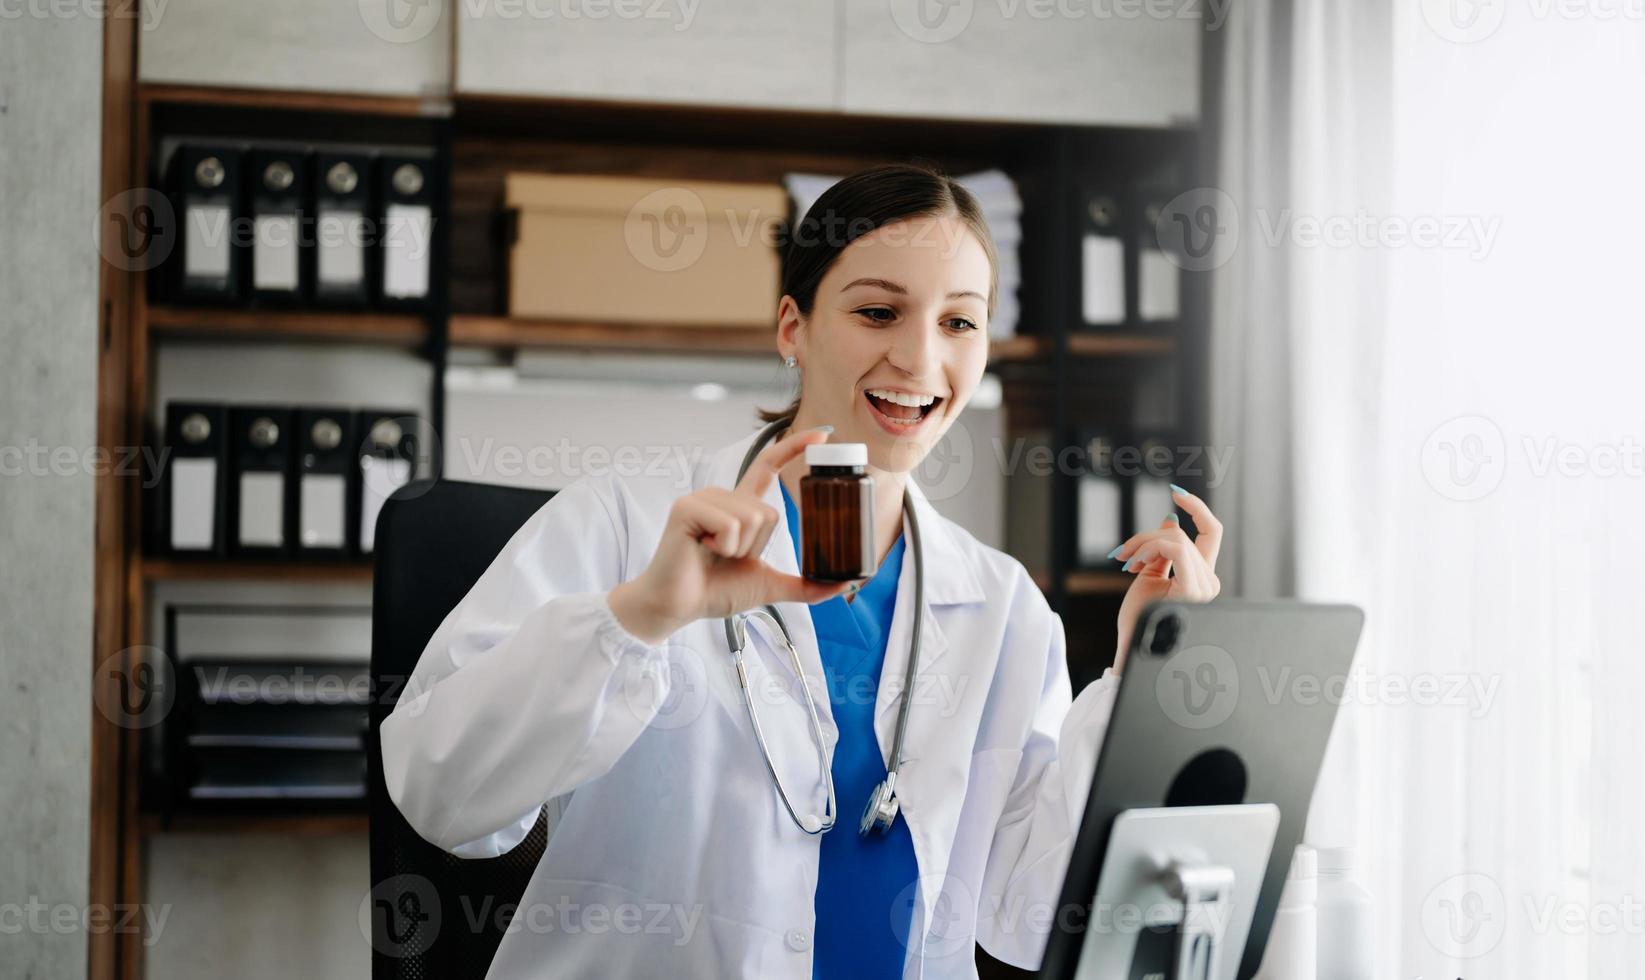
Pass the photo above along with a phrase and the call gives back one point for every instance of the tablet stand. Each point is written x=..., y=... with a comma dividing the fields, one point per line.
x=1192, y=876
x=1207, y=896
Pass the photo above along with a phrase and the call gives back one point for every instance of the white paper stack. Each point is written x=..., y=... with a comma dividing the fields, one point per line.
x=1001, y=208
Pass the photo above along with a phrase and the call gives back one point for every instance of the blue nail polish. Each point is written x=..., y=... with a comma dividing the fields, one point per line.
x=1172, y=518
x=825, y=428
x=1177, y=489
x=1116, y=552
x=1128, y=565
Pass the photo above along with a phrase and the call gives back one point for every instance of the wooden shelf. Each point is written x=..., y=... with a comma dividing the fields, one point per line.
x=1086, y=582
x=352, y=103
x=1097, y=583
x=204, y=569
x=1107, y=345
x=502, y=331
x=1016, y=349
x=295, y=824
x=209, y=323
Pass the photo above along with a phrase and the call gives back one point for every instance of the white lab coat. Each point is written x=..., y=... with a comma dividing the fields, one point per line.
x=675, y=857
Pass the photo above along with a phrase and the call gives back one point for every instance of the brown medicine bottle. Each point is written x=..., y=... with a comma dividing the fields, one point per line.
x=837, y=513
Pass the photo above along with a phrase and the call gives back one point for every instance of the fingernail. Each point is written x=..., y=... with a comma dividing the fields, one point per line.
x=825, y=428
x=1128, y=565
x=1172, y=518
x=1116, y=552
x=1177, y=489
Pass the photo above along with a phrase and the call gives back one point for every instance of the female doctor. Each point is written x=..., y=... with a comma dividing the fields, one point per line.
x=595, y=658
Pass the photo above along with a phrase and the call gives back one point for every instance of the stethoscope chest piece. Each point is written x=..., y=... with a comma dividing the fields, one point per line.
x=881, y=811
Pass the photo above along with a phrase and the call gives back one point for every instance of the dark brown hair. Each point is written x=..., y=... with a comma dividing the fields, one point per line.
x=859, y=204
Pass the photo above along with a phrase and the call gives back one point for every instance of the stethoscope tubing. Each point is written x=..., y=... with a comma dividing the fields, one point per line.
x=736, y=631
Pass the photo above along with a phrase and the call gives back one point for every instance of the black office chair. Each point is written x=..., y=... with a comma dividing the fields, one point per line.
x=434, y=916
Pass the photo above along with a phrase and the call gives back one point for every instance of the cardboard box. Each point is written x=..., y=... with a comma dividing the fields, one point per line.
x=644, y=250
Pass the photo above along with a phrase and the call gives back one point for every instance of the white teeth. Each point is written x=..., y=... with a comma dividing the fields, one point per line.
x=902, y=397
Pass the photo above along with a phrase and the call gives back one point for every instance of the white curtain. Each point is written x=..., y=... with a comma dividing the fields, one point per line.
x=1429, y=359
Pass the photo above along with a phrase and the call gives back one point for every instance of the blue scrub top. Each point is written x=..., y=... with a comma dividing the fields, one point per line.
x=865, y=885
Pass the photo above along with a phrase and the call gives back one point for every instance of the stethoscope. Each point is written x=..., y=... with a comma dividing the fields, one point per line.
x=881, y=811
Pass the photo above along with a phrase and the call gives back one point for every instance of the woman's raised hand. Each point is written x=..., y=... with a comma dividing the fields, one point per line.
x=1169, y=565
x=708, y=563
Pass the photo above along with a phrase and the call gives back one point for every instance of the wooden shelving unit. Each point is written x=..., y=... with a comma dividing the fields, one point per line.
x=510, y=332
x=350, y=103
x=207, y=323
x=1097, y=583
x=1094, y=344
x=475, y=330
x=1088, y=583
x=291, y=825
x=200, y=570
x=483, y=139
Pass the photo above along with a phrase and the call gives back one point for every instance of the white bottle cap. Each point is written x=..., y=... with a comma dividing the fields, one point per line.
x=1301, y=881
x=1337, y=859
x=837, y=454
x=1304, y=863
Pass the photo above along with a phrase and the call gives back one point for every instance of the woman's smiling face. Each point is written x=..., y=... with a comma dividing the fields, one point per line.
x=897, y=339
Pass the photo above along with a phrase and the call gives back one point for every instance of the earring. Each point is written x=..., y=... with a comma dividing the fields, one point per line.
x=790, y=361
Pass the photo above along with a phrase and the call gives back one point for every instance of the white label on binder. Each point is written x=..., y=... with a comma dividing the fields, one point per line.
x=274, y=257
x=1157, y=291
x=322, y=503
x=1153, y=501
x=380, y=477
x=1103, y=279
x=193, y=503
x=262, y=509
x=407, y=240
x=341, y=246
x=1099, y=518
x=206, y=241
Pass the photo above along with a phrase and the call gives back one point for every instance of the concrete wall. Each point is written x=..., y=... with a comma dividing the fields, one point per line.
x=50, y=105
